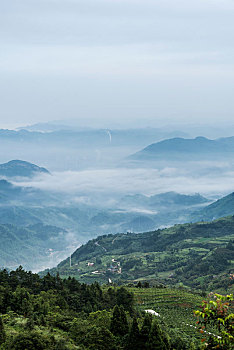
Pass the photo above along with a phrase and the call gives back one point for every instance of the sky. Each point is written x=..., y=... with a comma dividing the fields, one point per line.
x=116, y=63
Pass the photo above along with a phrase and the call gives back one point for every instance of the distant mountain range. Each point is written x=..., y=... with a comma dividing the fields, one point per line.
x=167, y=199
x=21, y=168
x=24, y=207
x=181, y=149
x=13, y=195
x=89, y=137
x=83, y=222
x=75, y=149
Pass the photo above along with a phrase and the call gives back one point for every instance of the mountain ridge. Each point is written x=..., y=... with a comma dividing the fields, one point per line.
x=21, y=168
x=180, y=147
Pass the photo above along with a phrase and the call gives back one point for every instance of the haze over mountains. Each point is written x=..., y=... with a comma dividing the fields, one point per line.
x=73, y=148
x=28, y=208
x=167, y=128
x=21, y=168
x=76, y=149
x=94, y=186
x=180, y=149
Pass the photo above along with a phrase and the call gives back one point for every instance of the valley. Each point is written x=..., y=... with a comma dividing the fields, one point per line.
x=33, y=196
x=116, y=175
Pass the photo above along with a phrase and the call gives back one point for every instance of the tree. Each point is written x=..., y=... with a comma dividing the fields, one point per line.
x=155, y=341
x=145, y=330
x=99, y=338
x=29, y=324
x=29, y=341
x=2, y=332
x=217, y=313
x=60, y=345
x=177, y=342
x=100, y=318
x=125, y=298
x=119, y=324
x=133, y=337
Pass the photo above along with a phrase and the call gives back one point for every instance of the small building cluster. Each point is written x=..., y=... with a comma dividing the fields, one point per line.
x=115, y=267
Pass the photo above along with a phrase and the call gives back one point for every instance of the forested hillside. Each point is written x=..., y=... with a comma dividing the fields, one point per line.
x=199, y=255
x=51, y=313
x=222, y=207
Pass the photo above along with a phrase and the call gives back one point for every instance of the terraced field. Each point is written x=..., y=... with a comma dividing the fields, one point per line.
x=174, y=306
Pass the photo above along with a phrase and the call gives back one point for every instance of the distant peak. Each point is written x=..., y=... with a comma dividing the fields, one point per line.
x=18, y=162
x=22, y=168
x=200, y=138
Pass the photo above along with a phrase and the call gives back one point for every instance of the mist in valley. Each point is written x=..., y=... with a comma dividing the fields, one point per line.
x=96, y=185
x=128, y=105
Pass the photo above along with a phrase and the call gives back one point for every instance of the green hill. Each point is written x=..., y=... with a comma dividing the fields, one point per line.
x=199, y=255
x=222, y=207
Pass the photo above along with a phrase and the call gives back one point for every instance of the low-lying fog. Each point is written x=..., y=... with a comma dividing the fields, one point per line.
x=92, y=190
x=211, y=180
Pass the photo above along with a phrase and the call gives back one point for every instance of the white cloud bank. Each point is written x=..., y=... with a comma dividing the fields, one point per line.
x=112, y=182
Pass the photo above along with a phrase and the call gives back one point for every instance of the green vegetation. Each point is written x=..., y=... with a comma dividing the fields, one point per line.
x=218, y=209
x=196, y=255
x=217, y=311
x=175, y=306
x=51, y=313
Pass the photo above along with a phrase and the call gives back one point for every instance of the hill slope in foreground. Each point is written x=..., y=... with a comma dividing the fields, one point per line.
x=54, y=313
x=199, y=255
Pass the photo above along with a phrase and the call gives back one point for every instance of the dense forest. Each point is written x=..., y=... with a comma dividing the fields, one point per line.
x=54, y=313
x=49, y=312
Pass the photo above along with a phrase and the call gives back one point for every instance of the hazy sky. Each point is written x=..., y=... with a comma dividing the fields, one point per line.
x=116, y=60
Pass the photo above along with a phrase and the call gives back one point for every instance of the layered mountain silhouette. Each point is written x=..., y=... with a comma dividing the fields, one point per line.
x=21, y=168
x=180, y=148
x=167, y=199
